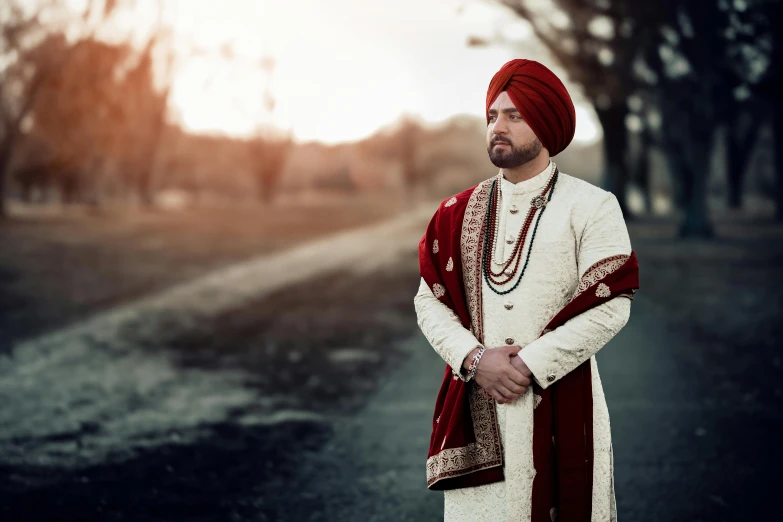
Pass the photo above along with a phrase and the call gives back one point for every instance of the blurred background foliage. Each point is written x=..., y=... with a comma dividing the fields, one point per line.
x=686, y=93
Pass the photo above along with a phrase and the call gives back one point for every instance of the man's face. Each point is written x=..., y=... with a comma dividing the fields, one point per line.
x=510, y=140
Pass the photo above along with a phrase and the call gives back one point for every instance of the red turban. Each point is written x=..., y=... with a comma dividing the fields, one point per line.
x=541, y=99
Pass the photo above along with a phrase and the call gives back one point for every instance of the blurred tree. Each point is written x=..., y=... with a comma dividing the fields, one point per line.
x=408, y=138
x=704, y=59
x=742, y=133
x=596, y=43
x=268, y=153
x=80, y=113
x=35, y=57
x=401, y=144
x=143, y=117
x=758, y=38
x=683, y=54
x=26, y=62
x=268, y=156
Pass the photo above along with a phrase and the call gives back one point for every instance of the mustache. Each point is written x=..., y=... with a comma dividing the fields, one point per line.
x=499, y=140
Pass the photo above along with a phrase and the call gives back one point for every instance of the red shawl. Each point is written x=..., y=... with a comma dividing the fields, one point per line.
x=465, y=448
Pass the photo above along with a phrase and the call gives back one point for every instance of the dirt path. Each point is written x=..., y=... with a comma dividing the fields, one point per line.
x=60, y=264
x=95, y=380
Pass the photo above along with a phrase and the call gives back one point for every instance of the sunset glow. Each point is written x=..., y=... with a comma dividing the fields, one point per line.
x=342, y=69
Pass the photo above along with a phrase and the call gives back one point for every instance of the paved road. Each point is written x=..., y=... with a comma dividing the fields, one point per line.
x=373, y=467
x=696, y=433
x=685, y=449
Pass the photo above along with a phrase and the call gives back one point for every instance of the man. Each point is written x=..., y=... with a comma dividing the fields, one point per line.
x=525, y=276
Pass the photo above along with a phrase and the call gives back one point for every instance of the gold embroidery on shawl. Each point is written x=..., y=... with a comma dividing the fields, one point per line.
x=486, y=452
x=483, y=454
x=602, y=290
x=598, y=271
x=470, y=246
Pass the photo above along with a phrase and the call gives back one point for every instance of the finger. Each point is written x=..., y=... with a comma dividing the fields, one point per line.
x=519, y=363
x=500, y=393
x=512, y=350
x=518, y=377
x=518, y=389
x=507, y=394
x=498, y=397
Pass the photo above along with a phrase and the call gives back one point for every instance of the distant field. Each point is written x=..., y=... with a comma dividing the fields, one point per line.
x=59, y=265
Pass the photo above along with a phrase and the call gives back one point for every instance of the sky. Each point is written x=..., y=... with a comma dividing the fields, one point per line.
x=342, y=68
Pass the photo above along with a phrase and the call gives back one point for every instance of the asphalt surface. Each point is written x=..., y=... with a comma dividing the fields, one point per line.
x=685, y=448
x=129, y=416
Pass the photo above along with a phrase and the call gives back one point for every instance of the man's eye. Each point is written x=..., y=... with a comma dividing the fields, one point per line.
x=515, y=116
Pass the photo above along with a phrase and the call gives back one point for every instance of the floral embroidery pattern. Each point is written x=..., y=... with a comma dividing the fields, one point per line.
x=438, y=290
x=598, y=271
x=553, y=514
x=485, y=453
x=435, y=246
x=450, y=202
x=602, y=290
x=536, y=400
x=472, y=225
x=450, y=265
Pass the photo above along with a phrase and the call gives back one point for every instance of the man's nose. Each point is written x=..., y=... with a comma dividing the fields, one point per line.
x=500, y=126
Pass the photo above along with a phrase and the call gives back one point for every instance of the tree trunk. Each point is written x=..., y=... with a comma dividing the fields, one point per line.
x=777, y=140
x=615, y=144
x=677, y=169
x=696, y=176
x=734, y=161
x=739, y=145
x=688, y=132
x=6, y=148
x=642, y=168
x=148, y=164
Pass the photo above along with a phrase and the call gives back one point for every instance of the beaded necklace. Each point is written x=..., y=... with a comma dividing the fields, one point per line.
x=490, y=234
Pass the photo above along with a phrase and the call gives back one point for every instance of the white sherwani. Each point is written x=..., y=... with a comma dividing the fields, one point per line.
x=582, y=225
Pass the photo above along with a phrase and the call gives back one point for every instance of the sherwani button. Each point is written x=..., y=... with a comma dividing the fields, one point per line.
x=509, y=305
x=509, y=340
x=514, y=209
x=551, y=377
x=509, y=239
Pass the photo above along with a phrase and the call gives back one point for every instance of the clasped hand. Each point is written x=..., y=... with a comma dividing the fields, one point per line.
x=502, y=374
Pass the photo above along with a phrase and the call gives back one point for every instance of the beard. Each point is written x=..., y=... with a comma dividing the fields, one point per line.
x=511, y=157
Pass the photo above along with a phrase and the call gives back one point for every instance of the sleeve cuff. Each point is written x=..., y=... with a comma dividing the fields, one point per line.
x=543, y=372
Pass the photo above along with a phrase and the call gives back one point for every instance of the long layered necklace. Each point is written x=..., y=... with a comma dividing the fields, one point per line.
x=506, y=273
